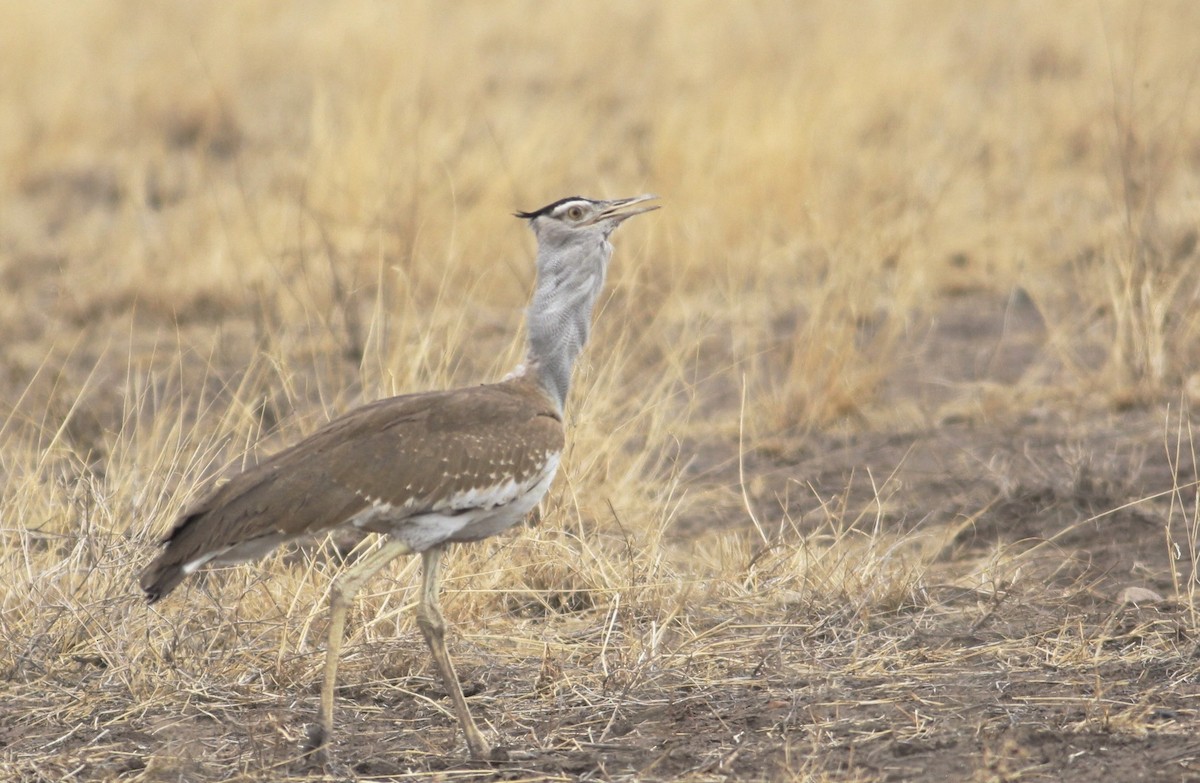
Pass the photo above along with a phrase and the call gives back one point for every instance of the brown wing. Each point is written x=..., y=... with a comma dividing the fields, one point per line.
x=408, y=452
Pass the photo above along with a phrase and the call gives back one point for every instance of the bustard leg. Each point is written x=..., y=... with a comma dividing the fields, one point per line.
x=345, y=587
x=429, y=618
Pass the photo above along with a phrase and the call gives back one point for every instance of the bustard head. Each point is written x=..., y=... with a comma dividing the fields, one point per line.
x=573, y=254
x=582, y=220
x=572, y=235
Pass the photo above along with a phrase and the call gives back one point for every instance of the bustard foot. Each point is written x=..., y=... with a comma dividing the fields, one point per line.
x=315, y=749
x=481, y=750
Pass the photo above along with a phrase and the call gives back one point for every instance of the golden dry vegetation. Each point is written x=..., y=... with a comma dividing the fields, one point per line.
x=884, y=412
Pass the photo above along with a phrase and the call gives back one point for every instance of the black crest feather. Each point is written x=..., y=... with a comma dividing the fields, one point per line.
x=546, y=210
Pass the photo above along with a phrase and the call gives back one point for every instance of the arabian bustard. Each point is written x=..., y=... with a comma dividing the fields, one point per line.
x=425, y=469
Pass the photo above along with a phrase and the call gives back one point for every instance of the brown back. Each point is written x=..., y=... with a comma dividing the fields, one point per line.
x=409, y=452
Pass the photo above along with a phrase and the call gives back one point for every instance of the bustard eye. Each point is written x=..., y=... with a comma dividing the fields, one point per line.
x=575, y=213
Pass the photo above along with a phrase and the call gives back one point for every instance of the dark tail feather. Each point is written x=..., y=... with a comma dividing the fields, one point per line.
x=161, y=578
x=166, y=572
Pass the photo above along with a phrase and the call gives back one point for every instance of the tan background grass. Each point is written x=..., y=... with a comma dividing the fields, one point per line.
x=222, y=223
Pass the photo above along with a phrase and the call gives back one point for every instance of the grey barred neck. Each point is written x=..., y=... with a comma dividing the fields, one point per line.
x=560, y=318
x=554, y=343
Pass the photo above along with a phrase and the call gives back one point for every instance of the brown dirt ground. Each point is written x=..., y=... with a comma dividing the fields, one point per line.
x=1049, y=677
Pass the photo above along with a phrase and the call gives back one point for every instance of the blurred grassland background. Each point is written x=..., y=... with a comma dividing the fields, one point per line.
x=223, y=223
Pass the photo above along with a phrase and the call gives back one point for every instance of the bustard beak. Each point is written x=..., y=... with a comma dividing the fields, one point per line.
x=619, y=210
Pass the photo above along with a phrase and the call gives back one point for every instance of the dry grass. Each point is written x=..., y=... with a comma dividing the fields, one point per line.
x=869, y=436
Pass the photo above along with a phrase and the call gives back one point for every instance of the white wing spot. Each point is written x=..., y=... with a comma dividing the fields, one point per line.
x=199, y=561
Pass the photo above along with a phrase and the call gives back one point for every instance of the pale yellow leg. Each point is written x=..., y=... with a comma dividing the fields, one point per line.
x=345, y=587
x=429, y=619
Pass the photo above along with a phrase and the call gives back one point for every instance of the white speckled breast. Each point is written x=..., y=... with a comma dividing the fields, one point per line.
x=467, y=515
